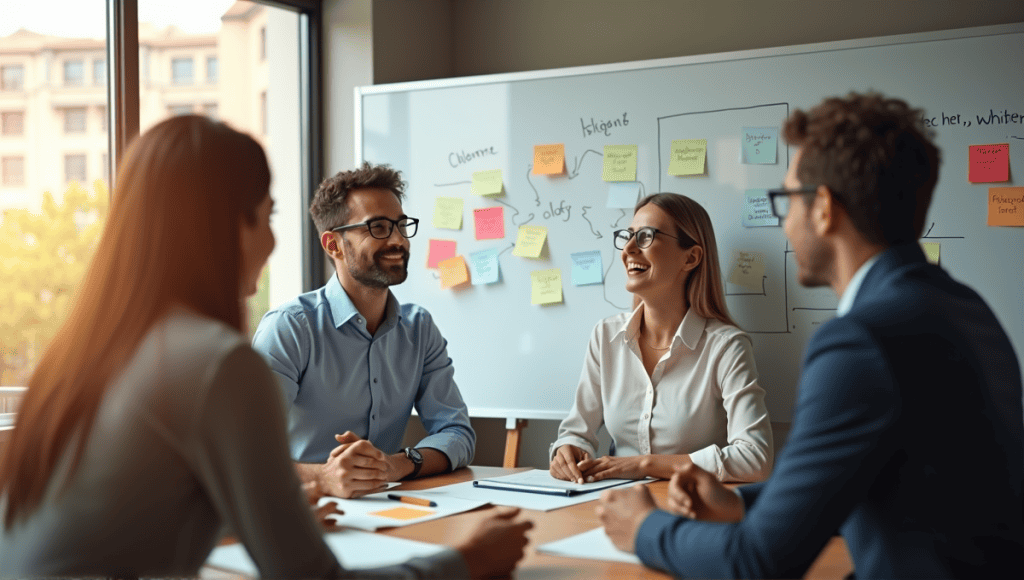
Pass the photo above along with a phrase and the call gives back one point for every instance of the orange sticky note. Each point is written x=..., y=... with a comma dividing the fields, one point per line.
x=402, y=513
x=549, y=159
x=453, y=272
x=989, y=163
x=489, y=223
x=439, y=250
x=1006, y=206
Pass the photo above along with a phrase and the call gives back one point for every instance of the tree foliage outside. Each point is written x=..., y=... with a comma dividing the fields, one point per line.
x=43, y=256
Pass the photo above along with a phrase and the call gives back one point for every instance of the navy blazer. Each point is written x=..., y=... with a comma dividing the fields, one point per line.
x=908, y=439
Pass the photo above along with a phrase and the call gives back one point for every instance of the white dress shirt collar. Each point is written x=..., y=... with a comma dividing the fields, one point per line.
x=850, y=294
x=689, y=331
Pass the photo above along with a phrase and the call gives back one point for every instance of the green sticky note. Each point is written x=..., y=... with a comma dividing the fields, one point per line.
x=530, y=241
x=688, y=157
x=619, y=163
x=487, y=182
x=546, y=286
x=448, y=213
x=932, y=251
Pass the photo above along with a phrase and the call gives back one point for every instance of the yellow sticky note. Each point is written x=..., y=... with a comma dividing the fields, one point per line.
x=448, y=213
x=453, y=272
x=546, y=286
x=688, y=157
x=748, y=271
x=931, y=251
x=619, y=163
x=402, y=513
x=530, y=242
x=1006, y=206
x=487, y=182
x=549, y=159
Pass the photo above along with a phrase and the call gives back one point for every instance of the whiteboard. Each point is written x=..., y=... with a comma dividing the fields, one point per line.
x=517, y=360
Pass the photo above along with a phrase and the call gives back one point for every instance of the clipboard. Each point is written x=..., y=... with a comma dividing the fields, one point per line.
x=539, y=481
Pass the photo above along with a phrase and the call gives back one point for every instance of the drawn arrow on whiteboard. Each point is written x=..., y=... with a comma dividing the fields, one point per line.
x=579, y=161
x=596, y=233
x=513, y=218
x=528, y=168
x=616, y=224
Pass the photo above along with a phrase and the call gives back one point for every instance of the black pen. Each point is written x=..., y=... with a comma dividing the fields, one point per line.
x=412, y=500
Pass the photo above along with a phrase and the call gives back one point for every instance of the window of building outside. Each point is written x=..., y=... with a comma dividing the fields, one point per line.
x=74, y=120
x=175, y=110
x=12, y=123
x=181, y=71
x=102, y=114
x=13, y=171
x=74, y=73
x=12, y=77
x=74, y=168
x=211, y=70
x=99, y=71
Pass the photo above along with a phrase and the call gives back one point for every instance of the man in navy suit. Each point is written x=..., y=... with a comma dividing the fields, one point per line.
x=908, y=433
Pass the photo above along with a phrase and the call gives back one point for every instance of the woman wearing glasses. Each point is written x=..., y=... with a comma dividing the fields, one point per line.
x=674, y=381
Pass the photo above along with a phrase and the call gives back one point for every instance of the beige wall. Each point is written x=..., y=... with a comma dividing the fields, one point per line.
x=425, y=39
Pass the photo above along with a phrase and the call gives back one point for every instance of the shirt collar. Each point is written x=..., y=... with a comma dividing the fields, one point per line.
x=689, y=331
x=850, y=294
x=343, y=310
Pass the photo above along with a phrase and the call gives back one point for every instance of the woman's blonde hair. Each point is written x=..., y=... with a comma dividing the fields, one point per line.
x=704, y=290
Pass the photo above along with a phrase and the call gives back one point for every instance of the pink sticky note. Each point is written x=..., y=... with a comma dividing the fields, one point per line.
x=440, y=250
x=989, y=163
x=489, y=222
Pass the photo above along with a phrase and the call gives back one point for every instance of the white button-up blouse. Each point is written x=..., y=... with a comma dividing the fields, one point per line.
x=702, y=398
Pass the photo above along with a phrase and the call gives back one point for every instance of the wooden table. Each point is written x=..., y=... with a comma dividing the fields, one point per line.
x=833, y=562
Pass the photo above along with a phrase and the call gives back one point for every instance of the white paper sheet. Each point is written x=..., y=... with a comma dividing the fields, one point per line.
x=359, y=513
x=354, y=549
x=529, y=501
x=592, y=545
x=541, y=481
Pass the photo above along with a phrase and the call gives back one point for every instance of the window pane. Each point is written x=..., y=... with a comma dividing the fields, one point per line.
x=99, y=71
x=52, y=200
x=181, y=71
x=211, y=69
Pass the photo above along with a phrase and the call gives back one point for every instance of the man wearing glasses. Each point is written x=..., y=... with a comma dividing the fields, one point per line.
x=353, y=362
x=908, y=431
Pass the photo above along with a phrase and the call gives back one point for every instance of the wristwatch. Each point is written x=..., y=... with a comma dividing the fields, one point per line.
x=417, y=461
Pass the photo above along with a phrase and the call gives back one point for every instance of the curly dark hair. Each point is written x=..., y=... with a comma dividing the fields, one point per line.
x=876, y=156
x=329, y=208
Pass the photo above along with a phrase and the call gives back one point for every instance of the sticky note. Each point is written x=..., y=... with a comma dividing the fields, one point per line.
x=619, y=163
x=485, y=267
x=989, y=163
x=439, y=250
x=623, y=194
x=402, y=513
x=748, y=270
x=546, y=286
x=688, y=157
x=487, y=182
x=587, y=268
x=448, y=213
x=489, y=223
x=931, y=251
x=549, y=159
x=760, y=145
x=1006, y=206
x=453, y=271
x=757, y=209
x=530, y=242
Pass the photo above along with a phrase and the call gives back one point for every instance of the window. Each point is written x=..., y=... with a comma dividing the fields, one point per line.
x=175, y=110
x=99, y=71
x=74, y=73
x=74, y=168
x=12, y=77
x=263, y=43
x=74, y=120
x=12, y=123
x=211, y=70
x=181, y=71
x=210, y=110
x=13, y=169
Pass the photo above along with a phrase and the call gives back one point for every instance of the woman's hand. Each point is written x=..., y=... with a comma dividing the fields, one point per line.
x=565, y=463
x=320, y=512
x=609, y=467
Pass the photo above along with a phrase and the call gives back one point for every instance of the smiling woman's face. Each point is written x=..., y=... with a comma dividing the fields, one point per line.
x=658, y=271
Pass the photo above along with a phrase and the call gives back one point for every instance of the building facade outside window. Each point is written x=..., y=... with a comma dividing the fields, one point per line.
x=12, y=77
x=99, y=71
x=210, y=110
x=212, y=74
x=74, y=168
x=176, y=110
x=181, y=71
x=13, y=169
x=12, y=123
x=74, y=73
x=74, y=120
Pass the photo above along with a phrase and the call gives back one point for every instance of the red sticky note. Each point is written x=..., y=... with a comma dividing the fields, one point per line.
x=440, y=250
x=989, y=163
x=489, y=223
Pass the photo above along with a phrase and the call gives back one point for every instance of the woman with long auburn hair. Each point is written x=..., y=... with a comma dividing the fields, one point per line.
x=674, y=382
x=150, y=425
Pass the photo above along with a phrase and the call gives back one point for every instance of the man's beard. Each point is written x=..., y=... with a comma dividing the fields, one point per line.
x=377, y=276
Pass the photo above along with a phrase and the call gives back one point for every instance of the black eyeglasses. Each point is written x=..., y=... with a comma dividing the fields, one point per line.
x=644, y=237
x=382, y=227
x=779, y=198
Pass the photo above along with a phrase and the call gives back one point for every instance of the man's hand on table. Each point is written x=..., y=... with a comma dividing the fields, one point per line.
x=697, y=494
x=495, y=545
x=622, y=511
x=354, y=468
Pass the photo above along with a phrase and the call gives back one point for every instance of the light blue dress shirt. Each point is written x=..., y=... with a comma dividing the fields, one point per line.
x=336, y=377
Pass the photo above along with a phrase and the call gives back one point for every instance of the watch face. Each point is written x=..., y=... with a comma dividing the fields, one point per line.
x=413, y=455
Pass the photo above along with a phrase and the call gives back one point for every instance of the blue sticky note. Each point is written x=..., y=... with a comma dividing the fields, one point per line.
x=623, y=193
x=757, y=209
x=587, y=268
x=483, y=267
x=760, y=145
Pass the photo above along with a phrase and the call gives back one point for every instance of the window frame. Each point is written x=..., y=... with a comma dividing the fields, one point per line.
x=83, y=112
x=5, y=176
x=69, y=81
x=5, y=116
x=21, y=77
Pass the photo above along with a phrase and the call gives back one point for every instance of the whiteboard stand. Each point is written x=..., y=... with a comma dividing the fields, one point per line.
x=513, y=439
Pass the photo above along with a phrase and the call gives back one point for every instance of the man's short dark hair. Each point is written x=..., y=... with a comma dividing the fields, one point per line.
x=876, y=156
x=329, y=208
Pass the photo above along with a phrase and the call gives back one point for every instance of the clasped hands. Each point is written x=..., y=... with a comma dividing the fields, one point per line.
x=356, y=468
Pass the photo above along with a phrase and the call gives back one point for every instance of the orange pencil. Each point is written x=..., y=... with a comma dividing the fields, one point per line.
x=412, y=500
